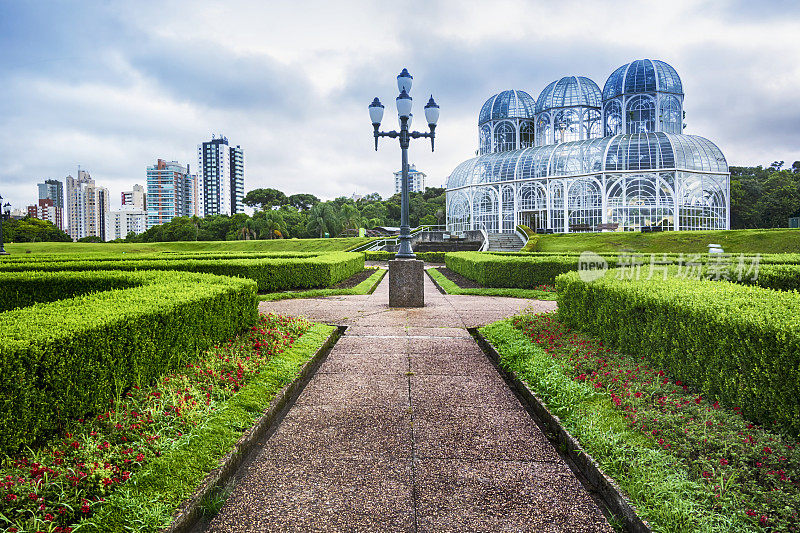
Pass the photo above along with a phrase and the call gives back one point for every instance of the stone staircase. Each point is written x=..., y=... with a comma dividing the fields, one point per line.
x=504, y=242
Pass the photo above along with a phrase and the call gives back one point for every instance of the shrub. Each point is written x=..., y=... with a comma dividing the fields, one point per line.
x=514, y=270
x=270, y=273
x=428, y=257
x=737, y=343
x=66, y=359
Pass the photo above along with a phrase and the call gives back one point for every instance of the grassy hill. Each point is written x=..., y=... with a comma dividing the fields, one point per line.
x=274, y=245
x=734, y=241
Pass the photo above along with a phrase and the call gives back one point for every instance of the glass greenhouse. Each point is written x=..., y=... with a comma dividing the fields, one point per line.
x=576, y=159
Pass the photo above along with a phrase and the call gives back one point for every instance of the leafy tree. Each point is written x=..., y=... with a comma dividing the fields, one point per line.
x=90, y=238
x=31, y=229
x=265, y=198
x=303, y=202
x=350, y=216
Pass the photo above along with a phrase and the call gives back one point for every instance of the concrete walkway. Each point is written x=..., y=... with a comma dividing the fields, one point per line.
x=408, y=427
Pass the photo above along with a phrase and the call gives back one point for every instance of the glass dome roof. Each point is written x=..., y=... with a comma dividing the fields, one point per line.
x=633, y=152
x=643, y=76
x=508, y=104
x=569, y=91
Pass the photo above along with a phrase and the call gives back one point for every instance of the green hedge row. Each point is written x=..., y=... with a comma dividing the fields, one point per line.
x=270, y=273
x=523, y=271
x=21, y=289
x=7, y=262
x=737, y=343
x=67, y=359
x=428, y=257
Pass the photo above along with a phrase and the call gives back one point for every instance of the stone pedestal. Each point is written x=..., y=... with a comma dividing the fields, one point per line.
x=406, y=283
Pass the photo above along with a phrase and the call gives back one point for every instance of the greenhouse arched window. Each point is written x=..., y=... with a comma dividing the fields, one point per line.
x=613, y=118
x=591, y=124
x=567, y=125
x=526, y=134
x=486, y=139
x=504, y=137
x=544, y=133
x=670, y=115
x=641, y=116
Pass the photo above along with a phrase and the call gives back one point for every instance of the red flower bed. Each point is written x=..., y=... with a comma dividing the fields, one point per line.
x=755, y=468
x=52, y=487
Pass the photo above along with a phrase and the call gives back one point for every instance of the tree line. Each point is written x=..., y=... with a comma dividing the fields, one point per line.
x=761, y=197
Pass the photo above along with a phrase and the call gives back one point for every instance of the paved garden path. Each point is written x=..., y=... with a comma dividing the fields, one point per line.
x=408, y=427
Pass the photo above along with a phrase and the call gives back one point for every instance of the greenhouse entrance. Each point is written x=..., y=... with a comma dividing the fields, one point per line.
x=533, y=219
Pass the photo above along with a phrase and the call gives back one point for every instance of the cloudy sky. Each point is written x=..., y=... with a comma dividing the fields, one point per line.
x=111, y=86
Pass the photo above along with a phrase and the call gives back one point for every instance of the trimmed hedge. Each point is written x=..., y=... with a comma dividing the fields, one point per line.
x=67, y=359
x=21, y=289
x=514, y=270
x=737, y=343
x=428, y=257
x=271, y=273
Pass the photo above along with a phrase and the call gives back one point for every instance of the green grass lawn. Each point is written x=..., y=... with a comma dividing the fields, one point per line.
x=274, y=245
x=451, y=288
x=734, y=241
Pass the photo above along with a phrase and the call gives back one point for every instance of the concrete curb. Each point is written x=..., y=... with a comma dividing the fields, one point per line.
x=436, y=283
x=188, y=514
x=609, y=492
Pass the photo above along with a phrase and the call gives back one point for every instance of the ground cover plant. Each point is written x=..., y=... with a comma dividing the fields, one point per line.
x=134, y=461
x=686, y=462
x=365, y=287
x=738, y=343
x=62, y=359
x=541, y=292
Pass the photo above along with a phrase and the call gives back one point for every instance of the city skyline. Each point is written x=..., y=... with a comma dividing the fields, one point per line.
x=292, y=87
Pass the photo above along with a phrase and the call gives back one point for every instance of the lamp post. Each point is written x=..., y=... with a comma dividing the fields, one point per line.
x=4, y=214
x=404, y=102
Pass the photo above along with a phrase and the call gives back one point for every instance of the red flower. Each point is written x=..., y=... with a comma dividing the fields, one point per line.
x=706, y=474
x=723, y=461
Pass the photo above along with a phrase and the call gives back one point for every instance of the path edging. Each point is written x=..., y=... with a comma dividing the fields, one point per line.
x=188, y=513
x=608, y=490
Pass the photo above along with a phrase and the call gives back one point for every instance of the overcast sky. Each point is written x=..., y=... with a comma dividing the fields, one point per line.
x=112, y=86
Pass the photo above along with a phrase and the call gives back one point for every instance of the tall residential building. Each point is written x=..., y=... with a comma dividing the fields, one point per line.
x=171, y=192
x=220, y=187
x=52, y=190
x=135, y=199
x=45, y=210
x=127, y=221
x=76, y=204
x=416, y=180
x=87, y=207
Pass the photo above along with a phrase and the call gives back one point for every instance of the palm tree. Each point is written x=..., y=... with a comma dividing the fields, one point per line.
x=273, y=226
x=350, y=216
x=323, y=218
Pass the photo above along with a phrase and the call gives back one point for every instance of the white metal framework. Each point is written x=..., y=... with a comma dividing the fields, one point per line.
x=545, y=165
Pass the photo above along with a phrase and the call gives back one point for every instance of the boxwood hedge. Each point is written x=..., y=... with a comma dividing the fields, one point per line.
x=428, y=257
x=522, y=271
x=737, y=343
x=67, y=359
x=271, y=273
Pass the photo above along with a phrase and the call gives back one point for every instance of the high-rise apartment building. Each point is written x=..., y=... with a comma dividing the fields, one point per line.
x=135, y=199
x=127, y=221
x=416, y=180
x=53, y=211
x=76, y=204
x=171, y=192
x=97, y=212
x=220, y=178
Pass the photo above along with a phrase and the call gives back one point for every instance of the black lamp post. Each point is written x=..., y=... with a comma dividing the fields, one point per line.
x=404, y=115
x=4, y=214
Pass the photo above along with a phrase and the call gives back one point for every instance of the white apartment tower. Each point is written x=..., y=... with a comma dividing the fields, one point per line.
x=220, y=178
x=416, y=180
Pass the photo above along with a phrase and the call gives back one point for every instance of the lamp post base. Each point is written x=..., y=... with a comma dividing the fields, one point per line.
x=406, y=283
